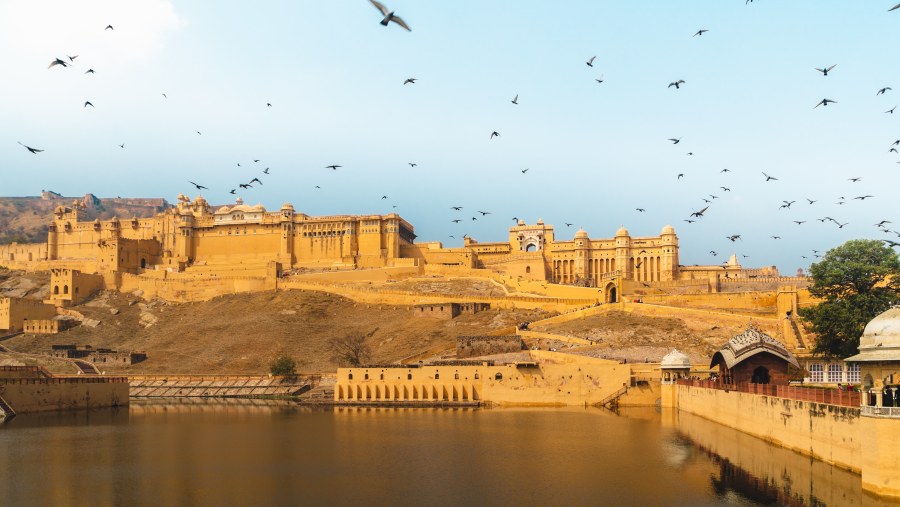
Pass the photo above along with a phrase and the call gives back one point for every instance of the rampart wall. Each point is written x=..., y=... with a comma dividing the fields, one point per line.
x=64, y=393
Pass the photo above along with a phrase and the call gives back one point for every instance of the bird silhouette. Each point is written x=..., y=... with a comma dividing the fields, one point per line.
x=232, y=191
x=700, y=213
x=863, y=197
x=516, y=100
x=769, y=177
x=733, y=237
x=568, y=224
x=29, y=148
x=122, y=146
x=333, y=167
x=57, y=62
x=725, y=171
x=409, y=80
x=199, y=186
x=389, y=16
x=854, y=180
x=384, y=197
x=825, y=102
x=90, y=71
x=675, y=140
x=495, y=133
x=676, y=84
x=700, y=32
x=268, y=104
x=109, y=27
x=640, y=210
x=456, y=221
x=891, y=110
x=485, y=213
x=799, y=222
x=882, y=91
x=523, y=171
x=600, y=79
x=245, y=185
x=266, y=170
x=456, y=208
x=71, y=58
x=894, y=8
x=725, y=189
x=811, y=201
x=411, y=164
x=255, y=180
x=825, y=70
x=88, y=103
x=680, y=175
x=775, y=237
x=590, y=62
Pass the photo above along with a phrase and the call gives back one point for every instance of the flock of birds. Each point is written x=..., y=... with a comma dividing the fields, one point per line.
x=389, y=17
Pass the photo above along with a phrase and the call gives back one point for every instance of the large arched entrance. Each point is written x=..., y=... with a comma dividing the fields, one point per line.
x=760, y=375
x=609, y=293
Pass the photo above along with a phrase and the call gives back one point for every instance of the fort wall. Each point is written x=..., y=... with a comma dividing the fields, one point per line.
x=27, y=395
x=830, y=433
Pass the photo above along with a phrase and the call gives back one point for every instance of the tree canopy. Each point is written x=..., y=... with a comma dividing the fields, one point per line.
x=283, y=366
x=856, y=281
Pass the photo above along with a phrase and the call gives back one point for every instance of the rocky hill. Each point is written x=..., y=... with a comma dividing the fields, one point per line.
x=25, y=219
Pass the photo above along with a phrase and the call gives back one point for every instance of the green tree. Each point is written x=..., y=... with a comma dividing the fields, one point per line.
x=856, y=281
x=283, y=366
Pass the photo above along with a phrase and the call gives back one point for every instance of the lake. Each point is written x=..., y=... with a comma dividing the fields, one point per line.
x=246, y=452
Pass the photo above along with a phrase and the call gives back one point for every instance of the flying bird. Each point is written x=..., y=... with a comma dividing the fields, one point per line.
x=456, y=221
x=568, y=224
x=641, y=210
x=58, y=62
x=894, y=8
x=389, y=16
x=29, y=148
x=675, y=140
x=256, y=180
x=199, y=187
x=863, y=197
x=410, y=80
x=485, y=213
x=725, y=189
x=811, y=201
x=456, y=208
x=88, y=103
x=775, y=237
x=799, y=222
x=495, y=133
x=700, y=32
x=333, y=167
x=164, y=95
x=883, y=90
x=268, y=104
x=516, y=100
x=854, y=180
x=232, y=191
x=733, y=237
x=412, y=164
x=769, y=177
x=826, y=70
x=891, y=110
x=245, y=185
x=725, y=171
x=700, y=213
x=590, y=62
x=600, y=79
x=676, y=84
x=109, y=27
x=680, y=175
x=122, y=146
x=71, y=58
x=384, y=197
x=825, y=102
x=90, y=71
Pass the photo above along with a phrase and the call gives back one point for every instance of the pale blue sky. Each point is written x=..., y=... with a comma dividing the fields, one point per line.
x=595, y=151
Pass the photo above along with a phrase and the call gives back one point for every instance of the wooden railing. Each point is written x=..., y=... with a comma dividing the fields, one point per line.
x=811, y=394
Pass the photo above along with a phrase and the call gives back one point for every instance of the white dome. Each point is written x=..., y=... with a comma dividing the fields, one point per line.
x=675, y=360
x=881, y=338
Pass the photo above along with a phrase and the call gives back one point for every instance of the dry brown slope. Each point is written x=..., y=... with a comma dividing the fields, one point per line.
x=243, y=333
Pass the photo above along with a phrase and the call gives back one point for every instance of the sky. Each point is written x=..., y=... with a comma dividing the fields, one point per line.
x=595, y=152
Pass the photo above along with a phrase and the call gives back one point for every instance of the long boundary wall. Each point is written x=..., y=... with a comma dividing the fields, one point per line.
x=830, y=433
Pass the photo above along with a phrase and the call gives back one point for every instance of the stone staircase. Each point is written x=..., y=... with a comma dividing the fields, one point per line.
x=6, y=412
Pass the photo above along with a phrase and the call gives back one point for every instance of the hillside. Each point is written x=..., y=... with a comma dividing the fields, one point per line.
x=25, y=219
x=243, y=333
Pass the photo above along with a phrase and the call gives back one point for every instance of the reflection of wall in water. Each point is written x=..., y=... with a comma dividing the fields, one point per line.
x=750, y=466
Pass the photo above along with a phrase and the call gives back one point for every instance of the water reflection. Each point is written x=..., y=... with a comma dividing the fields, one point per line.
x=252, y=452
x=751, y=469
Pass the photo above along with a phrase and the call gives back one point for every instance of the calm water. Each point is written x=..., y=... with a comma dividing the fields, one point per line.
x=278, y=454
